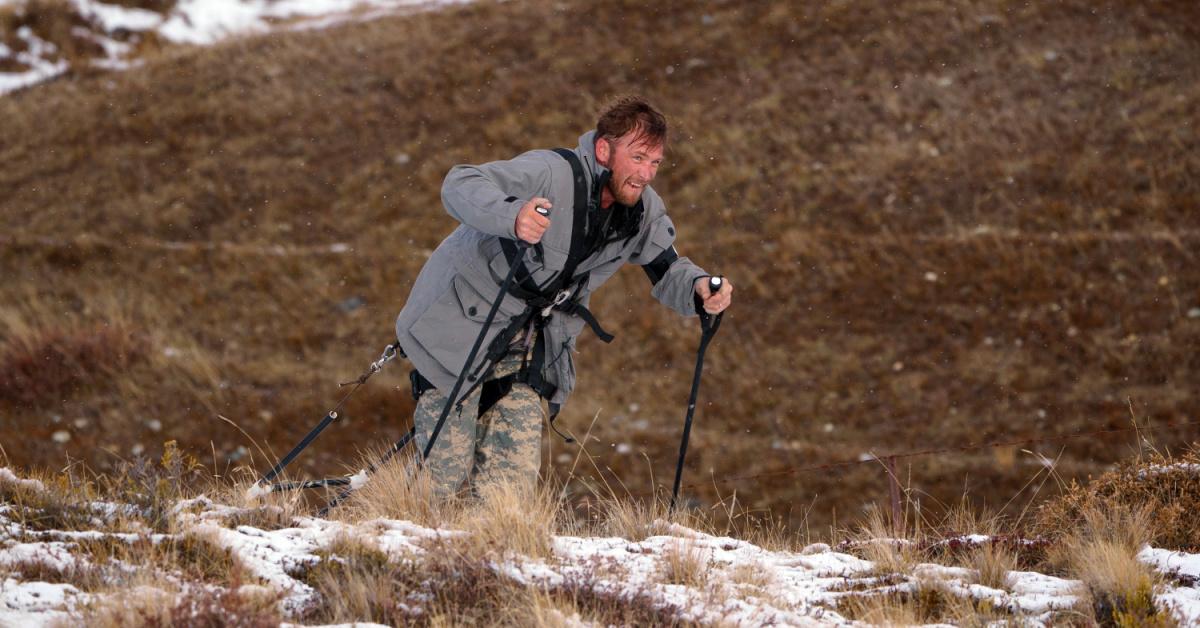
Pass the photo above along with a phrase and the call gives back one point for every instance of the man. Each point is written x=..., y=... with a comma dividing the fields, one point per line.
x=568, y=220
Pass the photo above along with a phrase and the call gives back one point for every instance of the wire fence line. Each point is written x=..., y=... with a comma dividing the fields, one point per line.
x=882, y=459
x=1080, y=236
x=273, y=250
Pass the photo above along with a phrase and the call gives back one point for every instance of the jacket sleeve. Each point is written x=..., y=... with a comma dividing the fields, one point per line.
x=674, y=277
x=487, y=197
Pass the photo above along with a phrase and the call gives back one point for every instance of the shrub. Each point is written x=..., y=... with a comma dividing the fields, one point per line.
x=42, y=365
x=1167, y=488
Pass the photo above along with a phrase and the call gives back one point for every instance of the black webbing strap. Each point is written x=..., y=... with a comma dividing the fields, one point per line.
x=578, y=251
x=537, y=297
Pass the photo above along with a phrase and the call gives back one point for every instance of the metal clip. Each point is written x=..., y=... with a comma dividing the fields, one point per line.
x=559, y=299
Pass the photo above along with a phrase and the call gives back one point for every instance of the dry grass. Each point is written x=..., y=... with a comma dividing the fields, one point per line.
x=893, y=551
x=512, y=518
x=994, y=562
x=1102, y=553
x=686, y=564
x=1037, y=162
x=397, y=491
x=450, y=586
x=196, y=606
x=43, y=363
x=927, y=603
x=60, y=23
x=356, y=582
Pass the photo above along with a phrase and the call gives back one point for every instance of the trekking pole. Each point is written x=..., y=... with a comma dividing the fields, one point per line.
x=389, y=353
x=346, y=480
x=350, y=484
x=708, y=327
x=451, y=398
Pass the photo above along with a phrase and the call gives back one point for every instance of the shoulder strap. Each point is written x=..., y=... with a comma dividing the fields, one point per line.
x=578, y=249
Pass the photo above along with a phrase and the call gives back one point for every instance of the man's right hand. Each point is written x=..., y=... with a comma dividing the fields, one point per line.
x=530, y=224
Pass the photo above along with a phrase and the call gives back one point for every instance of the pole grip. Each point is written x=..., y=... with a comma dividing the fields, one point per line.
x=714, y=283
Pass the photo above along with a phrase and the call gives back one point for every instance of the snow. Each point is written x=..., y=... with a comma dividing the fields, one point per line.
x=732, y=582
x=54, y=555
x=6, y=475
x=1184, y=603
x=1171, y=563
x=111, y=17
x=1179, y=467
x=35, y=603
x=198, y=22
x=358, y=480
x=257, y=490
x=37, y=56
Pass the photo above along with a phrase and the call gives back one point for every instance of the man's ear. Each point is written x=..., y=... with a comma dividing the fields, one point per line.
x=603, y=151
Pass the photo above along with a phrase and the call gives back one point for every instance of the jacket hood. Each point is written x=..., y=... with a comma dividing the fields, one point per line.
x=587, y=153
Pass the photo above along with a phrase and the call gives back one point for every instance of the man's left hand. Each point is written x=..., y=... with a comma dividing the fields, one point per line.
x=715, y=303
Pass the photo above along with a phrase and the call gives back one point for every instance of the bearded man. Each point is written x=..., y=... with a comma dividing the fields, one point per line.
x=568, y=220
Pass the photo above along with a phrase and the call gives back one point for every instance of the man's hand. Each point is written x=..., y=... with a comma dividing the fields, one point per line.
x=530, y=224
x=715, y=303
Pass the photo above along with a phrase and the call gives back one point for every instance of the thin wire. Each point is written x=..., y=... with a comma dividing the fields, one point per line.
x=941, y=450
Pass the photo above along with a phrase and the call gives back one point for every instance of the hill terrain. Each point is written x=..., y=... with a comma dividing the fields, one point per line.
x=967, y=227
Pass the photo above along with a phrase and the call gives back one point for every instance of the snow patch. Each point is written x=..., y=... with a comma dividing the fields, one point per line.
x=6, y=475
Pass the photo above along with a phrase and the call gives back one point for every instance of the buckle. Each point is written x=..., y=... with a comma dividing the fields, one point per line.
x=559, y=299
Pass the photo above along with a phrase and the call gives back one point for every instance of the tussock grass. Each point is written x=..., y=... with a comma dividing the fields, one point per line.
x=397, y=490
x=84, y=577
x=45, y=509
x=1102, y=553
x=512, y=517
x=877, y=540
x=636, y=520
x=994, y=562
x=928, y=602
x=685, y=564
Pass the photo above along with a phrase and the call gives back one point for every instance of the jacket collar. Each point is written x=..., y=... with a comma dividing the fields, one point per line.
x=587, y=154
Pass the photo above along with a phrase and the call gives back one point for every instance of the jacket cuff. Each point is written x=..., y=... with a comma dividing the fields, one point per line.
x=677, y=288
x=509, y=210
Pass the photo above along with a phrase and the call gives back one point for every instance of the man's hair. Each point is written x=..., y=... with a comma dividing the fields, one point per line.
x=632, y=113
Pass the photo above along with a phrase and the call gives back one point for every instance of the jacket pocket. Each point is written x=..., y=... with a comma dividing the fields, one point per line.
x=449, y=327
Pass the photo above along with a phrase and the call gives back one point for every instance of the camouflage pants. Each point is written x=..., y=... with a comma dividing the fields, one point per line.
x=500, y=446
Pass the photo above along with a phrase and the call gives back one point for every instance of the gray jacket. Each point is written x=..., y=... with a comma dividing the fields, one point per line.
x=454, y=291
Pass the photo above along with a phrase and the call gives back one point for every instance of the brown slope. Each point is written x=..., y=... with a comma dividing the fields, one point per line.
x=832, y=160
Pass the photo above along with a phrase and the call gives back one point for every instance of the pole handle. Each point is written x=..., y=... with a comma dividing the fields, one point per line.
x=714, y=283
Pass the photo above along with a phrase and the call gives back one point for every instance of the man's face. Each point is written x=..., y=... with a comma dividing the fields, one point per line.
x=633, y=163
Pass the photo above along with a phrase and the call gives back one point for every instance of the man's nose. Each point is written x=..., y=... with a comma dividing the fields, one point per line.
x=648, y=171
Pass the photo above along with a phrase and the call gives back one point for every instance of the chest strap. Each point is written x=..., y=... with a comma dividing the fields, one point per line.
x=563, y=291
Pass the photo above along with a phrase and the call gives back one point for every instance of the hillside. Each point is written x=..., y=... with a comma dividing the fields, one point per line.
x=961, y=227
